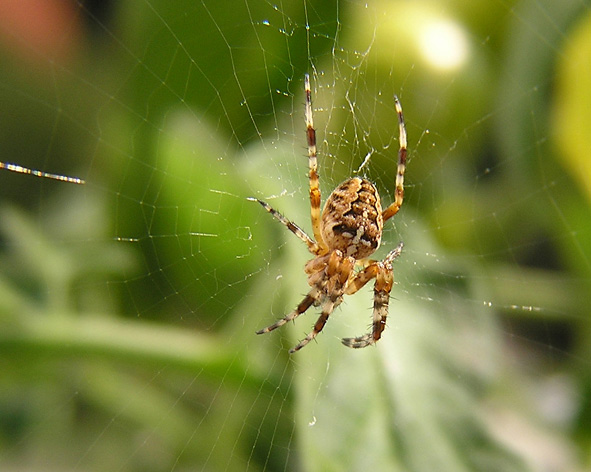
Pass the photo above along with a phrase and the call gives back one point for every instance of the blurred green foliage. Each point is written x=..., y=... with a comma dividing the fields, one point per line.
x=128, y=306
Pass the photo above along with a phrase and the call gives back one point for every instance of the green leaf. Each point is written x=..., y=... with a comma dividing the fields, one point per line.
x=572, y=117
x=413, y=402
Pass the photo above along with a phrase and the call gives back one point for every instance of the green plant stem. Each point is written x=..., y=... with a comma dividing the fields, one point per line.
x=133, y=342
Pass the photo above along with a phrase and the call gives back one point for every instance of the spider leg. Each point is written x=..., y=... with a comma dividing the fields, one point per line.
x=338, y=272
x=362, y=278
x=306, y=303
x=327, y=309
x=382, y=289
x=295, y=229
x=313, y=165
x=399, y=192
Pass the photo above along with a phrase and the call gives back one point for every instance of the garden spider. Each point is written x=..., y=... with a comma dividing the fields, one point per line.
x=345, y=235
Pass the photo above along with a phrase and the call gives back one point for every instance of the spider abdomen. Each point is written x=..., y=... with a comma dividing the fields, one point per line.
x=352, y=218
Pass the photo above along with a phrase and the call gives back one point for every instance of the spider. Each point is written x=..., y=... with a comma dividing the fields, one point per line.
x=347, y=232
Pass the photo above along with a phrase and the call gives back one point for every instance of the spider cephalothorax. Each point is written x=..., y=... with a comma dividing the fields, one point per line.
x=346, y=234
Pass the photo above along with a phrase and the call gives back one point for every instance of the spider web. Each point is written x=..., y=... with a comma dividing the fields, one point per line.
x=129, y=305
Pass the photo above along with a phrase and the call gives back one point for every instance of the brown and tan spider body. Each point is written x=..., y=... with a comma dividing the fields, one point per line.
x=348, y=231
x=352, y=219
